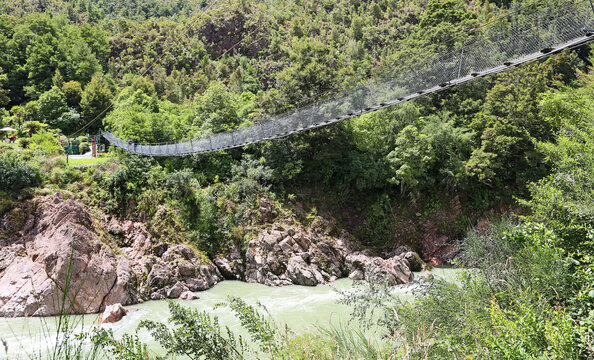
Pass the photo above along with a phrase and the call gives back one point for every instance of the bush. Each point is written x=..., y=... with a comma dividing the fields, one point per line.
x=84, y=148
x=64, y=175
x=16, y=173
x=45, y=143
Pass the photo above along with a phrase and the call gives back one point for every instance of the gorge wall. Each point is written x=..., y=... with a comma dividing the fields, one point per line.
x=59, y=256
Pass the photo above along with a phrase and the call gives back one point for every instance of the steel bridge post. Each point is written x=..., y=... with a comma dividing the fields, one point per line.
x=460, y=63
x=586, y=29
x=443, y=66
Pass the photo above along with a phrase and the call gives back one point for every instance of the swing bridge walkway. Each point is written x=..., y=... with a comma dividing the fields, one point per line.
x=520, y=37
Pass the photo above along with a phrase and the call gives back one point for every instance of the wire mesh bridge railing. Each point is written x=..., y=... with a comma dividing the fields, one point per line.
x=521, y=37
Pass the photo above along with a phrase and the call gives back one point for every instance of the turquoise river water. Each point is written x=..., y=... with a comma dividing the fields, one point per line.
x=301, y=308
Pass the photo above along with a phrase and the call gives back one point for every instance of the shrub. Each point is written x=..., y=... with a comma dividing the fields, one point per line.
x=84, y=148
x=64, y=175
x=45, y=143
x=17, y=174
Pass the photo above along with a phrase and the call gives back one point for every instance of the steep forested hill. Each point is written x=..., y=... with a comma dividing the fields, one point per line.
x=240, y=61
x=80, y=11
x=421, y=174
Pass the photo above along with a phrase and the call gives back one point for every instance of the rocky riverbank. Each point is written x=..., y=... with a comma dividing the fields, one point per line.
x=58, y=256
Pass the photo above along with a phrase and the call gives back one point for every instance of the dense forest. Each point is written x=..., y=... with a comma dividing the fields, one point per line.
x=515, y=149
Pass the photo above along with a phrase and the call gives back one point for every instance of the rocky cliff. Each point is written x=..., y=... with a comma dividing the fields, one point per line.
x=57, y=256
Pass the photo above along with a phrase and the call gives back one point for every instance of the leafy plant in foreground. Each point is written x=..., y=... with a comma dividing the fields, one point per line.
x=196, y=335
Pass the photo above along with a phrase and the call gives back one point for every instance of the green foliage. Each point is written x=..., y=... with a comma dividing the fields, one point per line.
x=508, y=305
x=45, y=143
x=4, y=99
x=421, y=159
x=95, y=99
x=411, y=157
x=250, y=177
x=72, y=93
x=181, y=184
x=51, y=105
x=195, y=334
x=16, y=173
x=84, y=148
x=140, y=115
x=130, y=180
x=510, y=122
x=378, y=227
x=259, y=326
x=129, y=347
x=69, y=121
x=563, y=200
x=217, y=109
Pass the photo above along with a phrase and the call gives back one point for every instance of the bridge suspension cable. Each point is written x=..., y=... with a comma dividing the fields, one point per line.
x=521, y=37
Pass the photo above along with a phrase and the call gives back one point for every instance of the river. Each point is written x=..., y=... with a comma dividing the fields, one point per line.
x=302, y=308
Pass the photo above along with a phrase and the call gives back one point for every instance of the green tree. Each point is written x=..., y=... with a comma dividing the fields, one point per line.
x=443, y=20
x=73, y=93
x=95, y=100
x=411, y=158
x=217, y=109
x=4, y=92
x=510, y=121
x=32, y=127
x=84, y=62
x=68, y=122
x=51, y=105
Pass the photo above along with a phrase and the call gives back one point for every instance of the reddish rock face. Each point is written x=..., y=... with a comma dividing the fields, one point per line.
x=58, y=264
x=64, y=268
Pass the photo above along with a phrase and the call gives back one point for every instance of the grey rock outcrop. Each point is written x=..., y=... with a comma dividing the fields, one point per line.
x=294, y=256
x=392, y=271
x=188, y=295
x=309, y=257
x=56, y=250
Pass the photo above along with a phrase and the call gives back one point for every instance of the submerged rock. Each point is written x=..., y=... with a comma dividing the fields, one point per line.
x=113, y=313
x=188, y=295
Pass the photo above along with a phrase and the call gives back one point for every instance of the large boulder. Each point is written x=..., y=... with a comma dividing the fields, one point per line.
x=179, y=269
x=188, y=295
x=231, y=266
x=113, y=313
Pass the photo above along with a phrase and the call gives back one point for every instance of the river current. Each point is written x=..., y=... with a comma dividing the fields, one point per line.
x=301, y=308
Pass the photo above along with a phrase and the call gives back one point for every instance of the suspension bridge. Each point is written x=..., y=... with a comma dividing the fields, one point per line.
x=520, y=37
